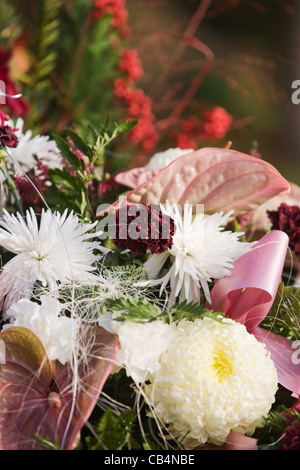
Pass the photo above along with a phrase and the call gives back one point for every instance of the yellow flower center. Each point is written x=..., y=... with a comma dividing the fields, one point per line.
x=222, y=365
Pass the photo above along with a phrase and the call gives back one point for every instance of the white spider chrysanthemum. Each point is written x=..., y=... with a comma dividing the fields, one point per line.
x=55, y=331
x=54, y=250
x=201, y=251
x=214, y=378
x=29, y=148
x=162, y=159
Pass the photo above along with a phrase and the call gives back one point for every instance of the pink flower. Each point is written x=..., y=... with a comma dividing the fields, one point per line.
x=248, y=294
x=18, y=106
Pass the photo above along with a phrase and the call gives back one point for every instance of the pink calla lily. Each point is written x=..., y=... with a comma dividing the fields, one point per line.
x=248, y=294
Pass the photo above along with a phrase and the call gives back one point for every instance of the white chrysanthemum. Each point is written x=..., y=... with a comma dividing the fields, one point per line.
x=201, y=252
x=29, y=148
x=162, y=159
x=214, y=378
x=141, y=345
x=54, y=250
x=55, y=331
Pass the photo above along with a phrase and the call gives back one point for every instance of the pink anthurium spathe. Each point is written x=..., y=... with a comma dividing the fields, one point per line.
x=221, y=179
x=37, y=398
x=234, y=441
x=248, y=294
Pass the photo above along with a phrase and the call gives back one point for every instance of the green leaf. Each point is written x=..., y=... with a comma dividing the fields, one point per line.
x=45, y=443
x=65, y=179
x=190, y=311
x=79, y=143
x=135, y=309
x=114, y=432
x=66, y=152
x=126, y=126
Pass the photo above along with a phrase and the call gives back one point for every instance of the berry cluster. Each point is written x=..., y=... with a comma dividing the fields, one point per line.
x=116, y=10
x=131, y=65
x=139, y=107
x=215, y=125
x=27, y=186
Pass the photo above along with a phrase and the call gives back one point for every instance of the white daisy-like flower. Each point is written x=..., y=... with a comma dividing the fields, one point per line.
x=141, y=346
x=55, y=331
x=214, y=378
x=162, y=159
x=29, y=148
x=54, y=250
x=201, y=251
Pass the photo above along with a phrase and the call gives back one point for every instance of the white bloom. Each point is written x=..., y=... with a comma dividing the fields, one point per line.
x=141, y=345
x=214, y=378
x=201, y=251
x=162, y=159
x=55, y=331
x=29, y=148
x=54, y=250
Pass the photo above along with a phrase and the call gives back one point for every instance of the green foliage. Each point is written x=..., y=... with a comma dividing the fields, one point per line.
x=114, y=432
x=191, y=311
x=134, y=308
x=273, y=427
x=283, y=317
x=138, y=308
x=72, y=58
x=72, y=185
x=45, y=443
x=10, y=27
x=43, y=55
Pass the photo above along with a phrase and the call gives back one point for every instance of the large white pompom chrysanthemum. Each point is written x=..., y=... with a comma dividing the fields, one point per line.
x=201, y=252
x=214, y=378
x=55, y=249
x=55, y=330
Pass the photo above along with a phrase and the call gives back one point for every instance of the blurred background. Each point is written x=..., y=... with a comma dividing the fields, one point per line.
x=194, y=73
x=255, y=49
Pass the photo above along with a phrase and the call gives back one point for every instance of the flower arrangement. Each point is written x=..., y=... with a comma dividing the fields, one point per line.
x=159, y=295
x=155, y=309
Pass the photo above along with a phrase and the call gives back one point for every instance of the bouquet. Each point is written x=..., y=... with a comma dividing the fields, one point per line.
x=152, y=308
x=160, y=321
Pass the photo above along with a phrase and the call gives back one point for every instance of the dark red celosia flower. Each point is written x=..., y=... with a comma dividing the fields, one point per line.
x=291, y=437
x=140, y=228
x=8, y=137
x=28, y=194
x=287, y=219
